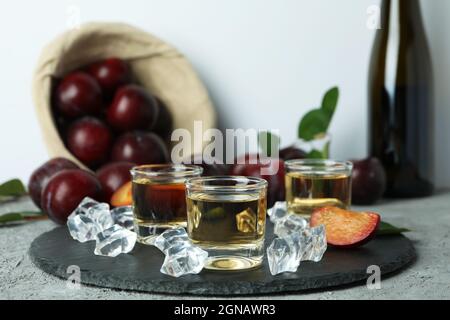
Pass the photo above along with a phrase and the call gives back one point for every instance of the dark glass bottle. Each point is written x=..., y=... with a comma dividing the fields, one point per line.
x=401, y=100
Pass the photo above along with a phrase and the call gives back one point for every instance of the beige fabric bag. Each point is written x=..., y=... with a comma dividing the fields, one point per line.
x=158, y=66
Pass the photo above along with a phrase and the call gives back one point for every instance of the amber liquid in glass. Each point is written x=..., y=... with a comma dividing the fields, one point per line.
x=158, y=205
x=233, y=224
x=306, y=192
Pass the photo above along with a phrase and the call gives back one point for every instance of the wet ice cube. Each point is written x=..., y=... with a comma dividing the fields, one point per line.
x=82, y=228
x=184, y=260
x=100, y=215
x=246, y=221
x=114, y=241
x=123, y=216
x=171, y=238
x=314, y=242
x=85, y=205
x=289, y=224
x=278, y=211
x=88, y=219
x=284, y=254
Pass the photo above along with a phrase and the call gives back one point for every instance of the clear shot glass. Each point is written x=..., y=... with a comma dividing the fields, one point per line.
x=316, y=183
x=227, y=217
x=159, y=198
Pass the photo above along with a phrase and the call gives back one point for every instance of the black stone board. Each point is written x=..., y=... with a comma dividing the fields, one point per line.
x=55, y=251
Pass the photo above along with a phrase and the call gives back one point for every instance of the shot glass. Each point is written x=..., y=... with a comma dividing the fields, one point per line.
x=159, y=198
x=227, y=218
x=316, y=183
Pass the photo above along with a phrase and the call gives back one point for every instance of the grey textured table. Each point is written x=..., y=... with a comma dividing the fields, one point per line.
x=427, y=278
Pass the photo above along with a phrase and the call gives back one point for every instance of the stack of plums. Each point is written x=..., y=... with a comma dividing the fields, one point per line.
x=103, y=116
x=109, y=123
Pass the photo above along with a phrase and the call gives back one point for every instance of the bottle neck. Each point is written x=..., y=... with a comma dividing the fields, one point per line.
x=406, y=13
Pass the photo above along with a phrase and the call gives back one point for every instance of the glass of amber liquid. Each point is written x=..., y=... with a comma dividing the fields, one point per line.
x=316, y=183
x=227, y=218
x=159, y=198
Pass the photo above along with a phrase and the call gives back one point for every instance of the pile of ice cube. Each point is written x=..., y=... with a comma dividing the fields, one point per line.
x=112, y=232
x=296, y=241
x=182, y=257
x=111, y=229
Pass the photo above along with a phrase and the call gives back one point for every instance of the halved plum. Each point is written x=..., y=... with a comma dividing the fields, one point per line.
x=122, y=197
x=345, y=228
x=112, y=176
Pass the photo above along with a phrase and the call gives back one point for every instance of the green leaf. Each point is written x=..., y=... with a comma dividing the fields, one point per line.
x=10, y=217
x=269, y=142
x=19, y=216
x=314, y=123
x=388, y=229
x=317, y=121
x=329, y=102
x=12, y=188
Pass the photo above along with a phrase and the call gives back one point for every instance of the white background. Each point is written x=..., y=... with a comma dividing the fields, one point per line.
x=265, y=63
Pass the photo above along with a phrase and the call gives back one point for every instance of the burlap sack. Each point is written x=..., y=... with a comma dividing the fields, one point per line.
x=156, y=65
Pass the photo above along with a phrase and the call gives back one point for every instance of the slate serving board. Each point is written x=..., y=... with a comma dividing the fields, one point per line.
x=55, y=251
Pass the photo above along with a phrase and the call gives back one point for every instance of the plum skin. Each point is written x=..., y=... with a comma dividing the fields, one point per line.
x=362, y=242
x=90, y=140
x=112, y=176
x=111, y=74
x=292, y=153
x=65, y=190
x=140, y=148
x=164, y=123
x=276, y=188
x=215, y=167
x=368, y=181
x=40, y=177
x=132, y=109
x=368, y=238
x=78, y=94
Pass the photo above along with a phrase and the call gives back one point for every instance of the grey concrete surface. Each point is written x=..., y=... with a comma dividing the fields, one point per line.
x=427, y=278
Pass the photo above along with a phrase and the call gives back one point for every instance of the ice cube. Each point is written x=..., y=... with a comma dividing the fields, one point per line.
x=88, y=219
x=284, y=254
x=307, y=244
x=100, y=214
x=246, y=221
x=184, y=260
x=290, y=223
x=278, y=211
x=314, y=242
x=123, y=216
x=82, y=228
x=171, y=238
x=85, y=205
x=114, y=241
